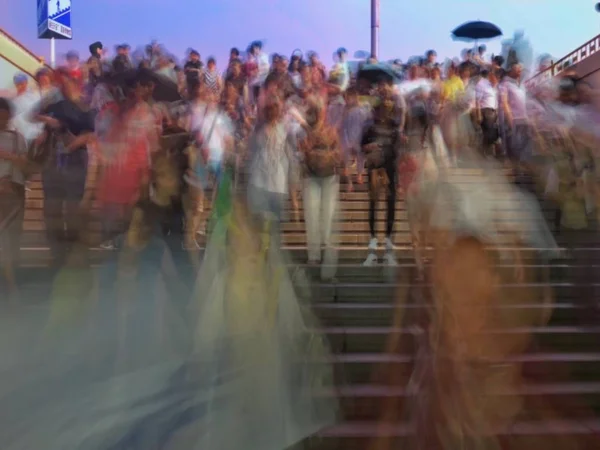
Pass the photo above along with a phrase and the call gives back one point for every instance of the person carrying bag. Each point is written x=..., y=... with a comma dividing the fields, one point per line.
x=321, y=153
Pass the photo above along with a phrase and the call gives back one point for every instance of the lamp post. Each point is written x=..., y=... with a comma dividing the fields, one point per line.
x=375, y=29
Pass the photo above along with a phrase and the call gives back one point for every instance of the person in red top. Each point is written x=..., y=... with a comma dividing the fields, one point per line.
x=127, y=134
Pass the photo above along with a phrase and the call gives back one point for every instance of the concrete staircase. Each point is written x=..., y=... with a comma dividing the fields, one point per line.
x=357, y=314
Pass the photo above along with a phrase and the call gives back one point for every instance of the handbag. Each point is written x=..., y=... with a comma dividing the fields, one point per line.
x=320, y=155
x=375, y=159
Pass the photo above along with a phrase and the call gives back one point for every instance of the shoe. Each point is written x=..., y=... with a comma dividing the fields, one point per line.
x=371, y=260
x=373, y=244
x=389, y=245
x=389, y=259
x=108, y=245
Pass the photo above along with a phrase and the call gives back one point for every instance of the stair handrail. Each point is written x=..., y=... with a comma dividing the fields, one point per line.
x=576, y=56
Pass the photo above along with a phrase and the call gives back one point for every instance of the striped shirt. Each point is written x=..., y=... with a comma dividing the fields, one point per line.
x=211, y=80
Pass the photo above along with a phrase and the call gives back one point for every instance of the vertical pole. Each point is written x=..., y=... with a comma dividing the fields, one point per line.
x=52, y=53
x=374, y=28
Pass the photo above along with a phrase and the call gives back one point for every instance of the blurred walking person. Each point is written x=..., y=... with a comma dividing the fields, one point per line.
x=319, y=149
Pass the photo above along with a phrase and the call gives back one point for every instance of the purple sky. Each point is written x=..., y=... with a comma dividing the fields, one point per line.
x=213, y=26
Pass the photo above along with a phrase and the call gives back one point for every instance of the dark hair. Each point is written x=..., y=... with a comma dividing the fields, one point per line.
x=499, y=60
x=295, y=58
x=6, y=105
x=466, y=67
x=234, y=51
x=482, y=48
x=211, y=60
x=430, y=53
x=95, y=47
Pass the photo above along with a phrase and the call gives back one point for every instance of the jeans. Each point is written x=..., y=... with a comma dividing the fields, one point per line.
x=320, y=208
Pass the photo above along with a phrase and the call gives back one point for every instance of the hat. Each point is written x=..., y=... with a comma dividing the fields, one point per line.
x=72, y=54
x=20, y=78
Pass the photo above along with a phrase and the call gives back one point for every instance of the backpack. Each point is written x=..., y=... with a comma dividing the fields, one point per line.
x=320, y=153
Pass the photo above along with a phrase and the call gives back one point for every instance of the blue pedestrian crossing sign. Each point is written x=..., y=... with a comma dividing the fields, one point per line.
x=54, y=19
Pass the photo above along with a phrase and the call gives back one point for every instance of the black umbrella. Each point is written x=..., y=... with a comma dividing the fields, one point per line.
x=475, y=31
x=377, y=72
x=165, y=89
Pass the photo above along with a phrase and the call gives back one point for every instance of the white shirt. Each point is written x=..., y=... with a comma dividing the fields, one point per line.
x=262, y=61
x=214, y=125
x=272, y=159
x=14, y=143
x=486, y=95
x=516, y=96
x=24, y=106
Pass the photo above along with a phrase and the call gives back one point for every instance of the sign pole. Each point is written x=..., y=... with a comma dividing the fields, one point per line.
x=52, y=53
x=375, y=29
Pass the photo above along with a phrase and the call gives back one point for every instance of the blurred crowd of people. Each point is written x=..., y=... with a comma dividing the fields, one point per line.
x=321, y=125
x=155, y=145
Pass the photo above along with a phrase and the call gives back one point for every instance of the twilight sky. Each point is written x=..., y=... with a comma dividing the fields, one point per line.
x=213, y=26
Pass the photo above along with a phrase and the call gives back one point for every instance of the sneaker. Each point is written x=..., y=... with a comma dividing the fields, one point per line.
x=373, y=244
x=108, y=245
x=389, y=245
x=371, y=260
x=389, y=259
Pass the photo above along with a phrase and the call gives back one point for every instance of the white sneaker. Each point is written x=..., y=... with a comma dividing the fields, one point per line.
x=108, y=245
x=389, y=245
x=373, y=244
x=371, y=260
x=389, y=259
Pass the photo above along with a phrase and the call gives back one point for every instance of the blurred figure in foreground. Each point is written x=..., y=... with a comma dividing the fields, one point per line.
x=13, y=165
x=254, y=350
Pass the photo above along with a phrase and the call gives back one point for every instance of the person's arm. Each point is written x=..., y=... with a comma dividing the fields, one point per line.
x=291, y=144
x=402, y=105
x=83, y=140
x=245, y=95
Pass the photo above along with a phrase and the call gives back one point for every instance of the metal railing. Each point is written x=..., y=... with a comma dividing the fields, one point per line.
x=585, y=51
